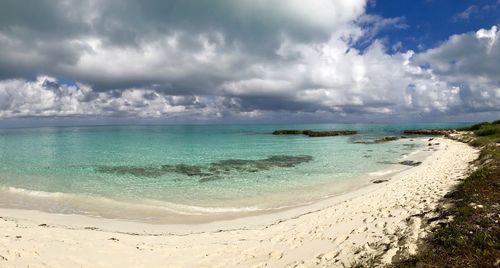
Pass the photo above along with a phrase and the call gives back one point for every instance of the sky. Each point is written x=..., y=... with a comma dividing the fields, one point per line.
x=191, y=61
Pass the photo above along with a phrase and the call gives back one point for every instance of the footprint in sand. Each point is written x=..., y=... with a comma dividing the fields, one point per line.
x=277, y=255
x=328, y=255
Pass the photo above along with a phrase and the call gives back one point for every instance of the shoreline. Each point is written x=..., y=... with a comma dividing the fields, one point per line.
x=281, y=211
x=158, y=212
x=365, y=220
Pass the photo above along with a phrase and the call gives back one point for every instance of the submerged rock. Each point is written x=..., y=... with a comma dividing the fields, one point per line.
x=385, y=162
x=410, y=163
x=288, y=161
x=131, y=170
x=381, y=140
x=386, y=139
x=213, y=171
x=409, y=145
x=189, y=170
x=312, y=133
x=211, y=178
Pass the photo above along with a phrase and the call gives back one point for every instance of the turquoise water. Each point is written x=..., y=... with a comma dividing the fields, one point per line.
x=187, y=169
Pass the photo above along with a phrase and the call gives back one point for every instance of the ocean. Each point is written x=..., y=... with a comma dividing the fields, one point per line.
x=169, y=173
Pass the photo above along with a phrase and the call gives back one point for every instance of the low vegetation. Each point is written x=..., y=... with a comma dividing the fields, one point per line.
x=472, y=238
x=485, y=133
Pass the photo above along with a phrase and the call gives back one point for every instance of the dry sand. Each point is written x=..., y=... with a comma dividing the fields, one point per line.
x=384, y=220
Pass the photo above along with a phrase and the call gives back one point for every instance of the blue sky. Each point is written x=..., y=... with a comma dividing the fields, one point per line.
x=249, y=61
x=430, y=22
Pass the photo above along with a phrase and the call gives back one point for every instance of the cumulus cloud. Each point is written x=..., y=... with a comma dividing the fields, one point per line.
x=46, y=97
x=123, y=43
x=470, y=63
x=224, y=58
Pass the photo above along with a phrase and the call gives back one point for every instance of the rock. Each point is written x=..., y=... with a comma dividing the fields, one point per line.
x=410, y=163
x=312, y=133
x=212, y=171
x=329, y=133
x=211, y=178
x=386, y=139
x=288, y=132
x=379, y=181
x=433, y=132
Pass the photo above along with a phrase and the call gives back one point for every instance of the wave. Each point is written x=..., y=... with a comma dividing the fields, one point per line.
x=87, y=203
x=35, y=193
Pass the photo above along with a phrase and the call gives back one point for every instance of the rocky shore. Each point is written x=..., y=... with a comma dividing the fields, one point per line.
x=431, y=132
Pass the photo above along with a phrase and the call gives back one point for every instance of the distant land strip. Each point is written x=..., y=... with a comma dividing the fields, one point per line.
x=312, y=133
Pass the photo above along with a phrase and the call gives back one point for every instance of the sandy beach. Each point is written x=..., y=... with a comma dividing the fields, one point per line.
x=384, y=219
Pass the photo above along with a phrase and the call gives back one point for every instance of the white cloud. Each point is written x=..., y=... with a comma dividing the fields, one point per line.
x=470, y=63
x=45, y=97
x=245, y=59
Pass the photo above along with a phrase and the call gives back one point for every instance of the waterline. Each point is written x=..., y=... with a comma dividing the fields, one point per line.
x=156, y=173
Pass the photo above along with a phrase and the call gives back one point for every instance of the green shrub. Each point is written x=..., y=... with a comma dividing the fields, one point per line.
x=476, y=126
x=488, y=130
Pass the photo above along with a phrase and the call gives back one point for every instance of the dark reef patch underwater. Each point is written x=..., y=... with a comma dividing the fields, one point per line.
x=212, y=171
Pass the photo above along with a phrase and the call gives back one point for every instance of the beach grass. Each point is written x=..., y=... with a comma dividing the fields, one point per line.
x=472, y=238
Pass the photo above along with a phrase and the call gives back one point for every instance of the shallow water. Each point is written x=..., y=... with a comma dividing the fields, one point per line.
x=187, y=170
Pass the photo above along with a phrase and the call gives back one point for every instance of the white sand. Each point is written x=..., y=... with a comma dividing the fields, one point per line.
x=384, y=219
